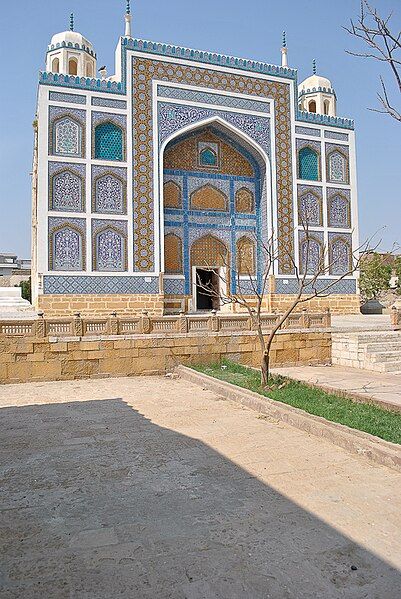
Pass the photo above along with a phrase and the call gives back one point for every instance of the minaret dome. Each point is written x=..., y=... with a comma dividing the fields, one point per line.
x=316, y=94
x=70, y=53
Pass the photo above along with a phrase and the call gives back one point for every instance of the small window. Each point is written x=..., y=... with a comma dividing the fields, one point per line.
x=73, y=66
x=308, y=164
x=55, y=65
x=326, y=106
x=312, y=106
x=108, y=142
x=208, y=157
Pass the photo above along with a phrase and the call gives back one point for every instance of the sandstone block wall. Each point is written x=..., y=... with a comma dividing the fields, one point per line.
x=338, y=304
x=101, y=305
x=155, y=305
x=44, y=359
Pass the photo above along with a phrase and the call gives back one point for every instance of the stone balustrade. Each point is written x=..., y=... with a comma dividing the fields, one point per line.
x=143, y=325
x=396, y=319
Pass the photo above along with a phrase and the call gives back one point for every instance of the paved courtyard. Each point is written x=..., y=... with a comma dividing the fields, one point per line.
x=154, y=488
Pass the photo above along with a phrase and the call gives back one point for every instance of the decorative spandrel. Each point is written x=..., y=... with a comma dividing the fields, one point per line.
x=109, y=195
x=67, y=192
x=310, y=210
x=67, y=138
x=110, y=251
x=67, y=250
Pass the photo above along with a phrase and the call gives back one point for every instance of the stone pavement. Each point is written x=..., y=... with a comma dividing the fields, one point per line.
x=379, y=387
x=148, y=488
x=360, y=322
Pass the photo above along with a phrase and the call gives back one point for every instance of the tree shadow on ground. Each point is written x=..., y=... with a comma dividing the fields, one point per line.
x=99, y=502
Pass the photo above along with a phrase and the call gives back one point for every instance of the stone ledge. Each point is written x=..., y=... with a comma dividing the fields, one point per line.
x=357, y=442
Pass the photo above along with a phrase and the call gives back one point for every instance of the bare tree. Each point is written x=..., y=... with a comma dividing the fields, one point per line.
x=251, y=292
x=384, y=46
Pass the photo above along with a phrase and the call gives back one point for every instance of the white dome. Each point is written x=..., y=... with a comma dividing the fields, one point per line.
x=314, y=82
x=70, y=37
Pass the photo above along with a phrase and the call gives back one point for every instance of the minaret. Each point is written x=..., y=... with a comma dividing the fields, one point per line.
x=316, y=94
x=128, y=20
x=70, y=53
x=284, y=58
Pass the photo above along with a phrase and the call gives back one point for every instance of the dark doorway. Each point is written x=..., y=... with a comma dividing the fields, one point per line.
x=206, y=279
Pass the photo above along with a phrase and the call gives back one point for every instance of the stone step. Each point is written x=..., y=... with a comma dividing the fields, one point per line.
x=379, y=347
x=384, y=356
x=391, y=366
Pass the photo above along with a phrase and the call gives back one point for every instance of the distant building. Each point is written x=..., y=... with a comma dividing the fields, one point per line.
x=10, y=264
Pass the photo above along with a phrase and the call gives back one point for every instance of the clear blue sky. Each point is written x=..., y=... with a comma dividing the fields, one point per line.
x=250, y=29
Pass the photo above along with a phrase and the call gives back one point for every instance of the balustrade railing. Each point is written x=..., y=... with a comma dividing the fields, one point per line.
x=396, y=319
x=77, y=326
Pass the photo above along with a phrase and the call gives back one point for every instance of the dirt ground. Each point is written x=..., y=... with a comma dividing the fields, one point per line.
x=154, y=488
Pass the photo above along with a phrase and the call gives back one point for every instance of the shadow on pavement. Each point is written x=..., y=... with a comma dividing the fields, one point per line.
x=99, y=502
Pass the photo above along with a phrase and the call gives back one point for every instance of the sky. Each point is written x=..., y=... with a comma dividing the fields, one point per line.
x=249, y=29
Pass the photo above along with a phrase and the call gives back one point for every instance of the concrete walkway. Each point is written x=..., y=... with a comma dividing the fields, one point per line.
x=375, y=386
x=154, y=488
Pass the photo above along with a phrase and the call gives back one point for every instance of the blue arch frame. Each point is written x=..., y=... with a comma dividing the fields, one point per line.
x=184, y=215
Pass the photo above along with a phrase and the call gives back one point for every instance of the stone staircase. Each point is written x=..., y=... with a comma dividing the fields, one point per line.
x=379, y=351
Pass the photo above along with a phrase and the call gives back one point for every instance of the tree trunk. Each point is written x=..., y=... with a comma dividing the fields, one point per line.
x=264, y=369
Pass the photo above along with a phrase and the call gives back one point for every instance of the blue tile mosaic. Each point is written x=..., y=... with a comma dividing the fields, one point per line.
x=216, y=99
x=72, y=98
x=67, y=243
x=109, y=103
x=335, y=135
x=173, y=117
x=307, y=131
x=174, y=286
x=343, y=287
x=53, y=284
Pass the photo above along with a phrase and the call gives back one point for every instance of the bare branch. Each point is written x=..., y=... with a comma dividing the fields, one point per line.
x=384, y=44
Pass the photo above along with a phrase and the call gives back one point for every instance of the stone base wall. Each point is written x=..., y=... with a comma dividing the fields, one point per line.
x=100, y=305
x=156, y=305
x=338, y=304
x=45, y=359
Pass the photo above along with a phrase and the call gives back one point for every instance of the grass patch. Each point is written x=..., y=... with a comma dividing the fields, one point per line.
x=361, y=416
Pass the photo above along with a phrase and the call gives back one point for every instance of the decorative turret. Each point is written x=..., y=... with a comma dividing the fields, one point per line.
x=284, y=58
x=128, y=20
x=316, y=94
x=70, y=53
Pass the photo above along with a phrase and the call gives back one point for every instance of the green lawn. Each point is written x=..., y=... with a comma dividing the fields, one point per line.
x=364, y=417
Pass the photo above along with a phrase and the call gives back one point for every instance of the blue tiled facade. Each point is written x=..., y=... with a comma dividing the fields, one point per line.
x=70, y=285
x=105, y=170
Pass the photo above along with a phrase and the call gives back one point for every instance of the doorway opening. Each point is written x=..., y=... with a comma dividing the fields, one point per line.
x=207, y=289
